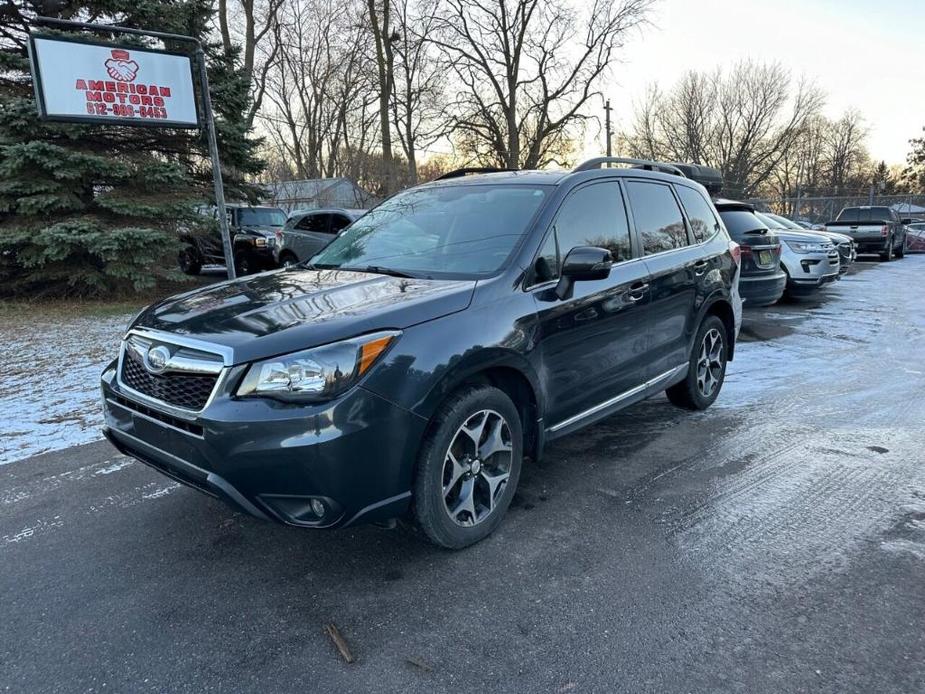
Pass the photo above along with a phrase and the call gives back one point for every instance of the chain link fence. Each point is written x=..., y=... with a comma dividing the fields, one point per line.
x=819, y=210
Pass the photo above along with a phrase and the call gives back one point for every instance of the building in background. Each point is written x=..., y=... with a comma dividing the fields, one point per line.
x=316, y=193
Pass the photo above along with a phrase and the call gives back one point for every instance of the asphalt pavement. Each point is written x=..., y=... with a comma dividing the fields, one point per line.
x=775, y=543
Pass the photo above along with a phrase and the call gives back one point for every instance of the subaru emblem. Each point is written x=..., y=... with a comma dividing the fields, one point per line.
x=156, y=359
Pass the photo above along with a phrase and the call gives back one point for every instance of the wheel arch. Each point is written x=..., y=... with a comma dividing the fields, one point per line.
x=510, y=373
x=720, y=307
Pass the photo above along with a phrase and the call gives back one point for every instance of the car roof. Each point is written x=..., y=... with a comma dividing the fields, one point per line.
x=726, y=204
x=552, y=178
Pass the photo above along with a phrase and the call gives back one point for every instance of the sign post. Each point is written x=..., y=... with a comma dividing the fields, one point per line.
x=79, y=81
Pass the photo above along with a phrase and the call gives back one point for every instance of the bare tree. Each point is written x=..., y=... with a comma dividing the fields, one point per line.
x=418, y=97
x=254, y=21
x=846, y=154
x=744, y=122
x=526, y=70
x=379, y=17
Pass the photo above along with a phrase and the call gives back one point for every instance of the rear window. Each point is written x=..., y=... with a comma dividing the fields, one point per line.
x=740, y=222
x=865, y=214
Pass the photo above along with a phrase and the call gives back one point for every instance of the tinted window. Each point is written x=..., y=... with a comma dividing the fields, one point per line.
x=547, y=261
x=448, y=230
x=849, y=214
x=769, y=221
x=740, y=222
x=261, y=217
x=658, y=217
x=594, y=216
x=338, y=222
x=699, y=213
x=876, y=214
x=313, y=222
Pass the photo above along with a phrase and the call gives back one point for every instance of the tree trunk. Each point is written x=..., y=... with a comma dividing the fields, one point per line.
x=384, y=65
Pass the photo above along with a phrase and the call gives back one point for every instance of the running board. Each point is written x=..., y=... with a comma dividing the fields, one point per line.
x=651, y=383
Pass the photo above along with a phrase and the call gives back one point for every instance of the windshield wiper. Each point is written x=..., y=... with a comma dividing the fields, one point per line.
x=378, y=270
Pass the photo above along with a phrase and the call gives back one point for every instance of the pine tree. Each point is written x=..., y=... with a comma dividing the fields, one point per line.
x=95, y=209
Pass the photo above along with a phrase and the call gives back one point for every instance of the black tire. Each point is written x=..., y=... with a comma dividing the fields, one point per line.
x=189, y=260
x=288, y=259
x=688, y=393
x=901, y=251
x=244, y=263
x=435, y=470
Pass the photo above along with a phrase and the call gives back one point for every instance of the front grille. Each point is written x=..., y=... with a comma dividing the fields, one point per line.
x=179, y=390
x=176, y=423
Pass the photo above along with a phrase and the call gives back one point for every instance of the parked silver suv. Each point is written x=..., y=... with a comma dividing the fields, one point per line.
x=810, y=260
x=308, y=231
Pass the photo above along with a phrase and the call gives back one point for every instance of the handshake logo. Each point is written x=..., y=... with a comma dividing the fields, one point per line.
x=120, y=67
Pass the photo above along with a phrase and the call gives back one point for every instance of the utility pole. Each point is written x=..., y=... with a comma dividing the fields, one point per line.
x=607, y=110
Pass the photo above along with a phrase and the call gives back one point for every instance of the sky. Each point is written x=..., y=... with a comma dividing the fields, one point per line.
x=865, y=55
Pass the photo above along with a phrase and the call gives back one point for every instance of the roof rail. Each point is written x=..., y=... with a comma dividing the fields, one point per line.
x=638, y=163
x=459, y=173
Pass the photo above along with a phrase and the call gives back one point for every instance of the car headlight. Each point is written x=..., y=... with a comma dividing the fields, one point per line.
x=806, y=247
x=319, y=373
x=260, y=242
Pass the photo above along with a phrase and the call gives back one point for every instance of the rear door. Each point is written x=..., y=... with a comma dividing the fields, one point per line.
x=312, y=233
x=675, y=270
x=593, y=343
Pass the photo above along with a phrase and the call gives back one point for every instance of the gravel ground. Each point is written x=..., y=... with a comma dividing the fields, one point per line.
x=774, y=543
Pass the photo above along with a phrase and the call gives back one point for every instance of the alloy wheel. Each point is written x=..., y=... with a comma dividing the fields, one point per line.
x=710, y=362
x=476, y=468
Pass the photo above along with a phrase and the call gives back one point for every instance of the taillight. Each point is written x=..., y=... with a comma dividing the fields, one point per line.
x=885, y=230
x=279, y=236
x=777, y=249
x=736, y=251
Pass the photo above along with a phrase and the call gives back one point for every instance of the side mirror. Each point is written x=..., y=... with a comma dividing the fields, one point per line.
x=583, y=263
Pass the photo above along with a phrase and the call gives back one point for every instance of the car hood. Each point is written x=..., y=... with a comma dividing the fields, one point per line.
x=258, y=229
x=806, y=236
x=287, y=310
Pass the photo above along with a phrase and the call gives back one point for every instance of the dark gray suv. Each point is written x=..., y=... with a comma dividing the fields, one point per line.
x=434, y=345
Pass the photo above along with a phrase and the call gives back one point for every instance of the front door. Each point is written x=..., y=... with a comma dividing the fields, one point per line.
x=312, y=234
x=593, y=343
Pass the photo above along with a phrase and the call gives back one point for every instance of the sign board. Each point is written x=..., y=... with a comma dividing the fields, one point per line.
x=105, y=83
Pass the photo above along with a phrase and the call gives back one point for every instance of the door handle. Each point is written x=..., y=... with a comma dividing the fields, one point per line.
x=637, y=291
x=700, y=267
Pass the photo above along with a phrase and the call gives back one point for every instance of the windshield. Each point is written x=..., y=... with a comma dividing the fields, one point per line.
x=769, y=221
x=448, y=231
x=261, y=217
x=786, y=223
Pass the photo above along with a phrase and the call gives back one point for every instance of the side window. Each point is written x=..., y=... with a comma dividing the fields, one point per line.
x=594, y=216
x=658, y=217
x=313, y=222
x=699, y=213
x=338, y=222
x=547, y=261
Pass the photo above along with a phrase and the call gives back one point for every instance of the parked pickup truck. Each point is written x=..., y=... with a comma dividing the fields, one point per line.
x=874, y=229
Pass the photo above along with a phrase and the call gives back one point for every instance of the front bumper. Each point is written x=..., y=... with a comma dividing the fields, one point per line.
x=810, y=271
x=271, y=459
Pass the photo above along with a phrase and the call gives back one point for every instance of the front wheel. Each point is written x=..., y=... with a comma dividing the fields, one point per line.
x=244, y=264
x=901, y=251
x=706, y=369
x=190, y=261
x=468, y=468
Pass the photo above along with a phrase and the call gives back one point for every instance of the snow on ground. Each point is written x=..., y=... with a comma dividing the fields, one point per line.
x=49, y=394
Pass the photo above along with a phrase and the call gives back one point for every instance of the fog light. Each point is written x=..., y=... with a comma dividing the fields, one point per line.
x=318, y=507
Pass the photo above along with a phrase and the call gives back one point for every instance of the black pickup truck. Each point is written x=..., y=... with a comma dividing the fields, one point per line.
x=874, y=229
x=253, y=236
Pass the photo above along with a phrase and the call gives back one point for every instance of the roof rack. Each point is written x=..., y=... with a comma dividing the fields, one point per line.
x=707, y=176
x=595, y=163
x=459, y=173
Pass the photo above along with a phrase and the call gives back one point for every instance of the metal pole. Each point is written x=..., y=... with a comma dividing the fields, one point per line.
x=607, y=126
x=216, y=163
x=206, y=109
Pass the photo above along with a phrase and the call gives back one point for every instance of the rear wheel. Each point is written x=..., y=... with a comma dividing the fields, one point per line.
x=706, y=370
x=468, y=468
x=190, y=261
x=887, y=255
x=901, y=251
